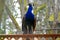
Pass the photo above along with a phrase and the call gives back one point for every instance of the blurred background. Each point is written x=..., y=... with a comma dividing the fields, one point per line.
x=47, y=13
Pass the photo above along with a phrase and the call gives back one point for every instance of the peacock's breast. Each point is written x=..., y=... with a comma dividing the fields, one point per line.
x=29, y=16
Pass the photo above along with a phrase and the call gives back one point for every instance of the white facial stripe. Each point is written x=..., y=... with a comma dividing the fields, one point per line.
x=27, y=6
x=32, y=11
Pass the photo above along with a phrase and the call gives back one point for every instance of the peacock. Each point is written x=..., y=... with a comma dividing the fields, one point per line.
x=29, y=21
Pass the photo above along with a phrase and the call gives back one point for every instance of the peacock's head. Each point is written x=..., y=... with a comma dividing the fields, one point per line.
x=30, y=7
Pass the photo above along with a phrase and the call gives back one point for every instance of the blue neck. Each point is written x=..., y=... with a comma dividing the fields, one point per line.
x=29, y=15
x=29, y=10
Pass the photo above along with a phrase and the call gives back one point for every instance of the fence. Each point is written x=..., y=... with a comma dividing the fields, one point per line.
x=30, y=36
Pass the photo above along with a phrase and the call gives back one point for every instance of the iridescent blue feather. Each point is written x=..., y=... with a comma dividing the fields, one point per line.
x=29, y=15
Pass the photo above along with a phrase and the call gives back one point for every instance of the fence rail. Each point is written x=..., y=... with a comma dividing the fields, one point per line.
x=30, y=36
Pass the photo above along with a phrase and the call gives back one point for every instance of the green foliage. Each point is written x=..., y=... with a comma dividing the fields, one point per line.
x=1, y=31
x=10, y=32
x=42, y=6
x=51, y=18
x=58, y=16
x=1, y=5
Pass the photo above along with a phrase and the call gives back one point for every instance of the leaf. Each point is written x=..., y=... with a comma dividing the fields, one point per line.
x=51, y=18
x=58, y=16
